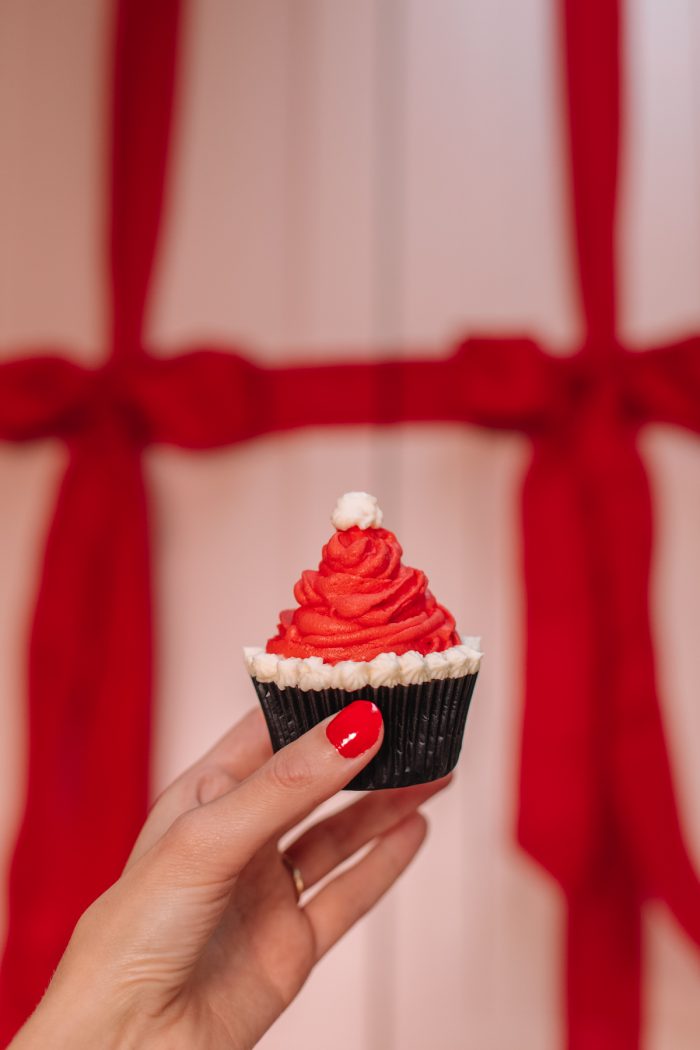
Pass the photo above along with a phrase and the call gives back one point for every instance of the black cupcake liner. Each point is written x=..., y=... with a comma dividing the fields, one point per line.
x=423, y=725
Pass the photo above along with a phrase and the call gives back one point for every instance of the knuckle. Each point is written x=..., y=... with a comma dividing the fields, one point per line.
x=291, y=770
x=95, y=927
x=88, y=922
x=211, y=783
x=184, y=833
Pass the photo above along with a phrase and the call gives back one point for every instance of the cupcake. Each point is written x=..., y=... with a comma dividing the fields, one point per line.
x=367, y=627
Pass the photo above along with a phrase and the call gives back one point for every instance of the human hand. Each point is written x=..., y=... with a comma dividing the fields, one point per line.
x=202, y=941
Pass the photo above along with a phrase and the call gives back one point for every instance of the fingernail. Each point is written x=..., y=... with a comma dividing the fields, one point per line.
x=355, y=728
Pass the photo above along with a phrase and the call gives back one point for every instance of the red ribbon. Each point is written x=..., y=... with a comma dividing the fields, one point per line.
x=597, y=807
x=90, y=654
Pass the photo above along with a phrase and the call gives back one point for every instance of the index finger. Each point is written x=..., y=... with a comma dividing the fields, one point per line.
x=221, y=837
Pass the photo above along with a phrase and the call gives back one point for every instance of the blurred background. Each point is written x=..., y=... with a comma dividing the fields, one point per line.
x=348, y=179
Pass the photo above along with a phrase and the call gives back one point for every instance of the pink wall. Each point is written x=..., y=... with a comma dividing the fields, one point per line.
x=348, y=175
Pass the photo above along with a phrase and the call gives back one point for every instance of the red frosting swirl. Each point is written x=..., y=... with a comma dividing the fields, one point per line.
x=361, y=602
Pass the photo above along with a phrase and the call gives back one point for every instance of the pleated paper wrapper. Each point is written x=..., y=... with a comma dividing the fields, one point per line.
x=423, y=725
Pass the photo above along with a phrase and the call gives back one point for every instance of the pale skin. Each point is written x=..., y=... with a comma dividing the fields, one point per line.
x=201, y=942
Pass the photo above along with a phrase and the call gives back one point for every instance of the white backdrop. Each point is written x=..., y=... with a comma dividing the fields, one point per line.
x=348, y=176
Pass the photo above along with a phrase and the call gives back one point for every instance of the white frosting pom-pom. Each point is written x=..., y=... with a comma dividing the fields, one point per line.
x=357, y=508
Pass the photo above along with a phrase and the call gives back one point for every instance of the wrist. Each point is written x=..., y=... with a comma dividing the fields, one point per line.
x=70, y=1017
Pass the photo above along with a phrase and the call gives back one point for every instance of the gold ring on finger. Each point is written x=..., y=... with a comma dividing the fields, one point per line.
x=297, y=877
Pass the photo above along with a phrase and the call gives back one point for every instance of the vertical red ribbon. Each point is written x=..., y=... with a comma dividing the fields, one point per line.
x=591, y=42
x=597, y=802
x=604, y=899
x=90, y=653
x=144, y=81
x=566, y=818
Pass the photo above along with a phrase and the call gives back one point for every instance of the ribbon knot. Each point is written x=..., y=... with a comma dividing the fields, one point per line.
x=109, y=405
x=587, y=394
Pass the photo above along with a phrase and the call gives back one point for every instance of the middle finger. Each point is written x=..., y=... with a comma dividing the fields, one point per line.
x=325, y=845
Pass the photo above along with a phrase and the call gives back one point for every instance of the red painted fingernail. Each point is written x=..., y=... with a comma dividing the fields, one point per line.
x=355, y=728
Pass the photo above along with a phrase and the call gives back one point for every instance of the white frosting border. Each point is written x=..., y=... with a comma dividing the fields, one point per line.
x=387, y=669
